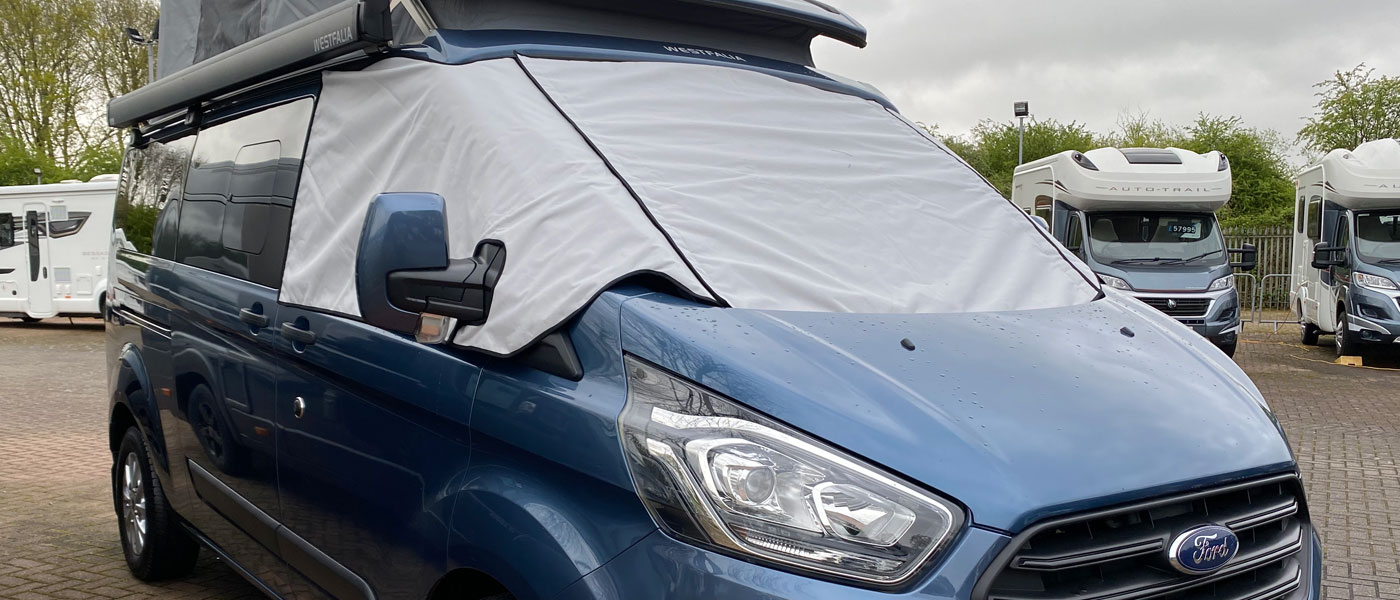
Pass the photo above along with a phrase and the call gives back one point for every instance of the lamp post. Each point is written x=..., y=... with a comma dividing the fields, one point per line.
x=38, y=176
x=150, y=44
x=1023, y=110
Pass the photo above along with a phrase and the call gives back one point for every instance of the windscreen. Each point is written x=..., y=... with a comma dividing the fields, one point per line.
x=1150, y=238
x=742, y=188
x=1378, y=237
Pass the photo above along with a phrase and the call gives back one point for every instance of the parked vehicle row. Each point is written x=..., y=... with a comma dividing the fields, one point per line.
x=594, y=300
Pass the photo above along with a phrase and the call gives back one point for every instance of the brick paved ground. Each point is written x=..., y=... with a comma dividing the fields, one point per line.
x=58, y=534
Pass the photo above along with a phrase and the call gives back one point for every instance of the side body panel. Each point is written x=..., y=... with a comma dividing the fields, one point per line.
x=548, y=497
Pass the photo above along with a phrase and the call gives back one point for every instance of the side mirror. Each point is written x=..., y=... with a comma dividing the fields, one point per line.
x=1249, y=258
x=1328, y=256
x=1040, y=222
x=405, y=281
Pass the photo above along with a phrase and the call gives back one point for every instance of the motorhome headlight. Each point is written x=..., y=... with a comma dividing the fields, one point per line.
x=719, y=475
x=1375, y=282
x=1224, y=283
x=1116, y=283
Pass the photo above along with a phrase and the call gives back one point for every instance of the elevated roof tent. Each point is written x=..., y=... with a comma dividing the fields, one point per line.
x=778, y=29
x=1365, y=178
x=1107, y=179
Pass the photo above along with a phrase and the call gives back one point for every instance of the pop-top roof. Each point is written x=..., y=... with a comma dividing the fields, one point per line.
x=1169, y=179
x=1367, y=177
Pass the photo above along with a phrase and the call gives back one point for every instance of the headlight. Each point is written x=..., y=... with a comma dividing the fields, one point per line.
x=1224, y=283
x=1114, y=282
x=719, y=475
x=1374, y=282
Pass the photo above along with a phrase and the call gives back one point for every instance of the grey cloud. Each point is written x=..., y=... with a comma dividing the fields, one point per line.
x=955, y=63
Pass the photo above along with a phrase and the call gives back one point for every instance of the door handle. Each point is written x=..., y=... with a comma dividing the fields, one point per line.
x=252, y=318
x=297, y=334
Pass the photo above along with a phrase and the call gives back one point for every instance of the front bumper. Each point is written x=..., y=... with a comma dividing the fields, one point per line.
x=662, y=568
x=1374, y=315
x=1220, y=322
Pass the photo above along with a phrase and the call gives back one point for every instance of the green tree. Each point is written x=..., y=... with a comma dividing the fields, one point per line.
x=1353, y=107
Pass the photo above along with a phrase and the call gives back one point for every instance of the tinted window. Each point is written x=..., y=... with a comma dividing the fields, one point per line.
x=151, y=177
x=1315, y=218
x=237, y=207
x=1042, y=207
x=1378, y=237
x=7, y=230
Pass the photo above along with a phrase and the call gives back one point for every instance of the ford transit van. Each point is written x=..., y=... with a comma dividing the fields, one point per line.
x=584, y=300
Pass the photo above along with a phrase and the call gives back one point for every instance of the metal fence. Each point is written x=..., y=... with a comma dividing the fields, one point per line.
x=1275, y=245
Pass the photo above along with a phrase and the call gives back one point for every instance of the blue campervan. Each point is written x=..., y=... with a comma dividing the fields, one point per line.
x=595, y=300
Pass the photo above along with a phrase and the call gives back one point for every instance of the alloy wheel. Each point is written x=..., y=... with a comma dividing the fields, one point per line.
x=134, y=504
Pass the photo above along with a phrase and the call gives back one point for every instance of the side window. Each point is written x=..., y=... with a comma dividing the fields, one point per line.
x=1343, y=239
x=1300, y=213
x=144, y=219
x=1074, y=236
x=237, y=208
x=1315, y=218
x=1043, y=207
x=7, y=230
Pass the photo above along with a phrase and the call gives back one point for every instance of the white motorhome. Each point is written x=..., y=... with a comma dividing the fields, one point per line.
x=1346, y=250
x=1144, y=221
x=54, y=242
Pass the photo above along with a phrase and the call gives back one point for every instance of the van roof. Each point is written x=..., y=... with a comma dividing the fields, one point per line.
x=1165, y=179
x=1364, y=178
x=353, y=29
x=46, y=189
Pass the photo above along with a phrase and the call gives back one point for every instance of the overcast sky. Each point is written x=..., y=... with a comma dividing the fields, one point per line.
x=956, y=63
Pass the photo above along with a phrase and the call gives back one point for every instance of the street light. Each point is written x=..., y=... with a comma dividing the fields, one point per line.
x=150, y=44
x=1023, y=110
x=38, y=176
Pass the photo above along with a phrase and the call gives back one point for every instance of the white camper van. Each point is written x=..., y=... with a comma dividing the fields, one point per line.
x=53, y=248
x=1144, y=220
x=1346, y=250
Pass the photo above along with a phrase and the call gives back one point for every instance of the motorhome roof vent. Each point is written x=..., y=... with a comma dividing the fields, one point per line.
x=1150, y=156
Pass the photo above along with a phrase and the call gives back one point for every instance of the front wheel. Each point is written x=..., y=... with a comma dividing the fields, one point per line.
x=155, y=546
x=1310, y=333
x=1229, y=349
x=1347, y=344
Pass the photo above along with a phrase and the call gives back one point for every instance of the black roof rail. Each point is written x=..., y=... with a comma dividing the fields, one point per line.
x=348, y=27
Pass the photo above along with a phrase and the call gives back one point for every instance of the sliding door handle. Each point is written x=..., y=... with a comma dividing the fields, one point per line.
x=297, y=334
x=252, y=318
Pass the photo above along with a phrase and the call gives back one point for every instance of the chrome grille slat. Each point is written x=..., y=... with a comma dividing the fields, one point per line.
x=1120, y=554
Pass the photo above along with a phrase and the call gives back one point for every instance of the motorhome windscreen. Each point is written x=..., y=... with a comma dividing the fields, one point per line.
x=1153, y=238
x=1378, y=237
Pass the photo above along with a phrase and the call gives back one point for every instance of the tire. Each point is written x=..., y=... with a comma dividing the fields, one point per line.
x=1347, y=344
x=29, y=320
x=155, y=546
x=213, y=431
x=1229, y=349
x=1309, y=333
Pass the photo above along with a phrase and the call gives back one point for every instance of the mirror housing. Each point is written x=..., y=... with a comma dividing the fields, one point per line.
x=404, y=278
x=1328, y=256
x=1040, y=222
x=1249, y=258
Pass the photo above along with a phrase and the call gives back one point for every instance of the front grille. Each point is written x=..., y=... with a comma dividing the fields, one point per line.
x=1121, y=554
x=1185, y=307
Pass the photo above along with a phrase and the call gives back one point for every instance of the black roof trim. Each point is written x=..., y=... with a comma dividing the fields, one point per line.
x=815, y=16
x=1150, y=156
x=349, y=27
